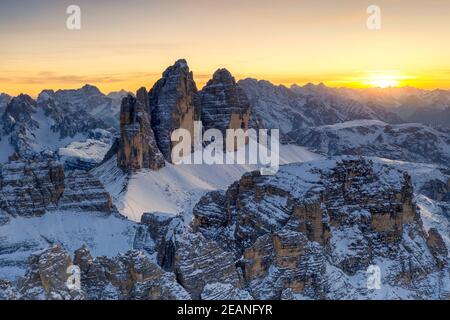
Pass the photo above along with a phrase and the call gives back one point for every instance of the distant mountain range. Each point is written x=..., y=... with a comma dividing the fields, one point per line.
x=314, y=105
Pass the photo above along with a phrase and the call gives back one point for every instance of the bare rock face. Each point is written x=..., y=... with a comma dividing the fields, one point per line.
x=174, y=104
x=201, y=266
x=128, y=276
x=224, y=291
x=47, y=277
x=30, y=188
x=314, y=229
x=158, y=233
x=137, y=146
x=84, y=192
x=8, y=291
x=224, y=104
x=437, y=247
x=18, y=123
x=199, y=262
x=4, y=100
x=437, y=190
x=18, y=114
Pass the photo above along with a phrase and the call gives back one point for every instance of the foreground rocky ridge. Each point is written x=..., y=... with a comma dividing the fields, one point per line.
x=310, y=232
x=137, y=147
x=32, y=188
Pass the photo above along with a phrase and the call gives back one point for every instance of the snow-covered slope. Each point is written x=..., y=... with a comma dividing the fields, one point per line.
x=176, y=188
x=21, y=237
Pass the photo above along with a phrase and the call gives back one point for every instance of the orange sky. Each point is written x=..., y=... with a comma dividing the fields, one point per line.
x=129, y=44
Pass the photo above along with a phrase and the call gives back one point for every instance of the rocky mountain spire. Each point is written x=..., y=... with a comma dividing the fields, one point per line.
x=19, y=110
x=137, y=146
x=174, y=103
x=224, y=103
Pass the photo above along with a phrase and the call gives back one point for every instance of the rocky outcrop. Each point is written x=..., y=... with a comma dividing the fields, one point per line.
x=224, y=104
x=174, y=104
x=137, y=145
x=199, y=262
x=47, y=277
x=313, y=230
x=201, y=266
x=146, y=125
x=8, y=291
x=158, y=233
x=310, y=232
x=129, y=276
x=86, y=103
x=30, y=188
x=18, y=123
x=84, y=192
x=437, y=247
x=436, y=190
x=18, y=112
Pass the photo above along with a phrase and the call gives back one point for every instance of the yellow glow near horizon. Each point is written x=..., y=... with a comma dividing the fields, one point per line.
x=384, y=83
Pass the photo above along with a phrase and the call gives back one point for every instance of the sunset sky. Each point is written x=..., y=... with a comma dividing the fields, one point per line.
x=128, y=44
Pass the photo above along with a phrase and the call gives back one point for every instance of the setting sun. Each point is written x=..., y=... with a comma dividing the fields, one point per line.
x=383, y=80
x=384, y=83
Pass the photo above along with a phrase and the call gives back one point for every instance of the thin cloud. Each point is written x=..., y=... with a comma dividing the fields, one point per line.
x=49, y=76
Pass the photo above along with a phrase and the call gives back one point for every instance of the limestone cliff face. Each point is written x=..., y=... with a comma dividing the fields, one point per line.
x=224, y=103
x=174, y=103
x=30, y=188
x=147, y=123
x=137, y=145
x=313, y=230
x=200, y=265
x=127, y=276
